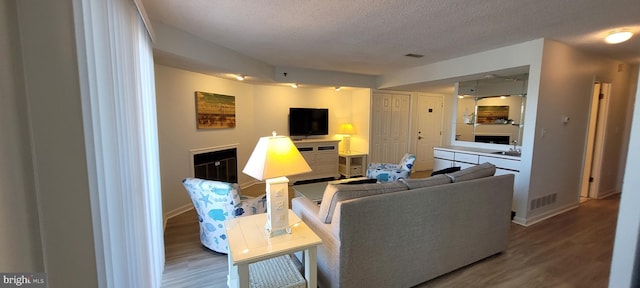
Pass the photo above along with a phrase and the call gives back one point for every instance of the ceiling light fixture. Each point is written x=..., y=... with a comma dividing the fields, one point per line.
x=619, y=36
x=294, y=85
x=338, y=88
x=240, y=77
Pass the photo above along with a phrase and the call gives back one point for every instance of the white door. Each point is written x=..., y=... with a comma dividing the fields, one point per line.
x=390, y=127
x=429, y=130
x=595, y=138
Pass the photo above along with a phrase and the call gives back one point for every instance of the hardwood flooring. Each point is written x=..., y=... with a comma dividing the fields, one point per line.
x=569, y=250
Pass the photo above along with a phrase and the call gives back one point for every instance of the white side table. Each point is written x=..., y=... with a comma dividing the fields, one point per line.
x=352, y=164
x=249, y=242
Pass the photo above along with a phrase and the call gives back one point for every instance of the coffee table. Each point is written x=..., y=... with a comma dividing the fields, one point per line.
x=315, y=191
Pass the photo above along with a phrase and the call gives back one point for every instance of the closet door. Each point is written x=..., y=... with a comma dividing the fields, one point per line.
x=390, y=127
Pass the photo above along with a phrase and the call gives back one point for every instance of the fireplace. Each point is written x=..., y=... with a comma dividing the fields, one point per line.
x=495, y=139
x=216, y=164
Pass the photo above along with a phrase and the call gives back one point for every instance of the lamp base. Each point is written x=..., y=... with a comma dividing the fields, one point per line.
x=277, y=206
x=347, y=144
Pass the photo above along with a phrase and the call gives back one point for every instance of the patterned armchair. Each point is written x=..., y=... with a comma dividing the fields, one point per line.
x=385, y=172
x=215, y=202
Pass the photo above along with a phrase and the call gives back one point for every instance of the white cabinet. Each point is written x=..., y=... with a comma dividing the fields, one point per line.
x=352, y=164
x=467, y=157
x=322, y=157
x=439, y=164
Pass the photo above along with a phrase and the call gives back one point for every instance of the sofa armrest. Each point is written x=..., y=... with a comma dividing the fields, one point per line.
x=308, y=212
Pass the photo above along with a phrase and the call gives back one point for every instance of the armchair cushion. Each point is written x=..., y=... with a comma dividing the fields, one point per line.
x=215, y=202
x=386, y=172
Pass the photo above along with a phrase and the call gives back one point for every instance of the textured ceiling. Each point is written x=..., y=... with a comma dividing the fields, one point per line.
x=372, y=36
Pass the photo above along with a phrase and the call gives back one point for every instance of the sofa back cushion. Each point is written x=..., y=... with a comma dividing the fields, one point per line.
x=426, y=182
x=479, y=171
x=335, y=193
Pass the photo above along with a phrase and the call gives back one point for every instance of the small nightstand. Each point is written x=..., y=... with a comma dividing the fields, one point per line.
x=352, y=164
x=249, y=242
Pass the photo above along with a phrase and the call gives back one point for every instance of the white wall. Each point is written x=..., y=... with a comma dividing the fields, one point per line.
x=20, y=247
x=260, y=109
x=624, y=263
x=61, y=182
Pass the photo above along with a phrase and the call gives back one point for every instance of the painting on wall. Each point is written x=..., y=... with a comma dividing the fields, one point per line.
x=214, y=111
x=493, y=114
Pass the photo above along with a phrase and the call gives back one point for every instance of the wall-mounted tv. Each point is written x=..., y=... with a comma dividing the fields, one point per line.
x=308, y=121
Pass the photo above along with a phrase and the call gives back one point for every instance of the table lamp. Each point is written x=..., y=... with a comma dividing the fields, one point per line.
x=346, y=130
x=272, y=160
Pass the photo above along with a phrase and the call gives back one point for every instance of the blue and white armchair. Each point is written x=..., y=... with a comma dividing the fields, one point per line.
x=215, y=202
x=386, y=172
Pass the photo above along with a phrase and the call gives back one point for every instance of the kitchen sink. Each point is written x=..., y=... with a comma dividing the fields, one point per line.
x=507, y=153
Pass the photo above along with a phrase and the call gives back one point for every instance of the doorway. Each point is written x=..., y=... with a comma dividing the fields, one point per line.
x=429, y=130
x=595, y=139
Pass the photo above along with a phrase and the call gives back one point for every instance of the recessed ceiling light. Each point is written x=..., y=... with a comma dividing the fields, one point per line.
x=338, y=88
x=240, y=77
x=616, y=37
x=294, y=85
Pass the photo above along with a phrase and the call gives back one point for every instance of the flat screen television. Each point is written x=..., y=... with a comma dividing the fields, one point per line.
x=308, y=121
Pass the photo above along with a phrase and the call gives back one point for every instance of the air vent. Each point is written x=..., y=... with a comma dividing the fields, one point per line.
x=542, y=201
x=414, y=55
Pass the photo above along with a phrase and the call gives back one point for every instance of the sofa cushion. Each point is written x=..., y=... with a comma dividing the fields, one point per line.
x=483, y=170
x=426, y=182
x=335, y=193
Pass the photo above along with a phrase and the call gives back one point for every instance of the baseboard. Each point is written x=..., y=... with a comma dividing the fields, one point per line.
x=547, y=215
x=607, y=194
x=175, y=212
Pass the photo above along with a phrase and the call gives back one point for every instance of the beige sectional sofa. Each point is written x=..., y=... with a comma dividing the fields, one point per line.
x=401, y=234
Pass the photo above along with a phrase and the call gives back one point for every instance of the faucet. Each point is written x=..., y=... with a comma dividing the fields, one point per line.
x=515, y=147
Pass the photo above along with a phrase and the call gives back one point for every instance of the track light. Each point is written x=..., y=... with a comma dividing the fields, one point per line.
x=338, y=88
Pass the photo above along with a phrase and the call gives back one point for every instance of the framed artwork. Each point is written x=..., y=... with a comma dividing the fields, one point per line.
x=492, y=114
x=214, y=111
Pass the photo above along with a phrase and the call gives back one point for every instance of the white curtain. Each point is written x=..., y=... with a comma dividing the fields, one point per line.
x=119, y=112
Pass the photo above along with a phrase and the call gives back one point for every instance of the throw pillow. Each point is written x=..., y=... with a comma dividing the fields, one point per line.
x=483, y=170
x=446, y=170
x=426, y=182
x=335, y=193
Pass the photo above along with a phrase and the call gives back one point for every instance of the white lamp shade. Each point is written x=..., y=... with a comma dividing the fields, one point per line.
x=275, y=156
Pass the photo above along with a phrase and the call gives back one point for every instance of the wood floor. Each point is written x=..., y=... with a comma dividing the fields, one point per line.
x=569, y=250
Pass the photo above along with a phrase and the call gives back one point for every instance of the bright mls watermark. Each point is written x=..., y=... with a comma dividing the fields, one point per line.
x=23, y=280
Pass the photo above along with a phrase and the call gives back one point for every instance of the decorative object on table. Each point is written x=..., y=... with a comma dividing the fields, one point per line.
x=346, y=130
x=386, y=172
x=446, y=170
x=216, y=202
x=272, y=160
x=215, y=110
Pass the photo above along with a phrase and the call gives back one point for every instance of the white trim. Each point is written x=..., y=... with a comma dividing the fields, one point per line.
x=145, y=19
x=194, y=152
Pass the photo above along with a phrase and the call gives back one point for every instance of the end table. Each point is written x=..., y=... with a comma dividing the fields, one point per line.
x=249, y=242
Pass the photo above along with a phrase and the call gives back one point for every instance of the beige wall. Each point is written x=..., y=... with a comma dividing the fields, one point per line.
x=566, y=85
x=260, y=109
x=20, y=247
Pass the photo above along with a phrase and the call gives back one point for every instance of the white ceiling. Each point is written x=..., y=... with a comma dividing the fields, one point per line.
x=372, y=36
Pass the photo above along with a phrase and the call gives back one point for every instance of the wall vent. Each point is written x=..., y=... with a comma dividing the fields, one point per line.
x=542, y=201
